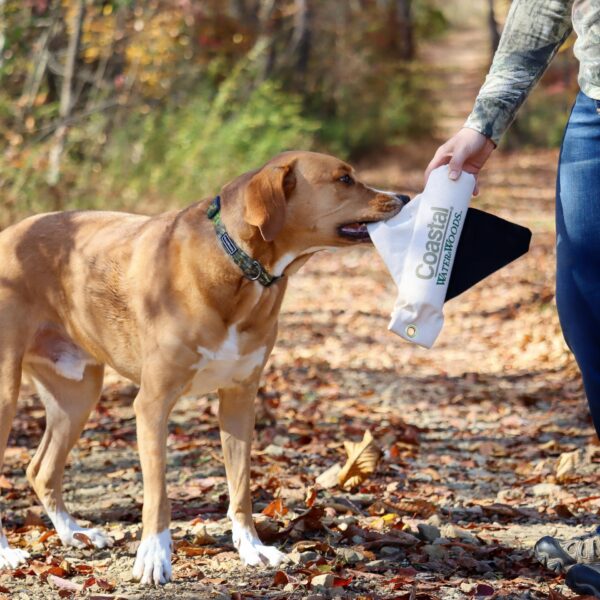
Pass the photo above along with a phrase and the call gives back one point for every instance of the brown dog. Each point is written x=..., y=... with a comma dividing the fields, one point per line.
x=160, y=301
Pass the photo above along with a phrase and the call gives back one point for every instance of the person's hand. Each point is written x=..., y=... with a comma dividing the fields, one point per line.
x=468, y=151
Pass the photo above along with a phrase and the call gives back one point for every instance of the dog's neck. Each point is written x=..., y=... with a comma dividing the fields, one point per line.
x=277, y=257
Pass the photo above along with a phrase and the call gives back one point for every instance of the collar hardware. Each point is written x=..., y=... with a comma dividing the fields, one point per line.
x=252, y=268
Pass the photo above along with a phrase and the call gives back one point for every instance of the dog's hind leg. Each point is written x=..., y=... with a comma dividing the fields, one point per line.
x=12, y=338
x=68, y=404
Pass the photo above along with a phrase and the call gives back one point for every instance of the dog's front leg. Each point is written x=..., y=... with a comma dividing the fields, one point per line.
x=236, y=420
x=152, y=406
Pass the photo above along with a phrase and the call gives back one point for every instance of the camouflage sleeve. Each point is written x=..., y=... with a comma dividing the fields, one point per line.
x=533, y=33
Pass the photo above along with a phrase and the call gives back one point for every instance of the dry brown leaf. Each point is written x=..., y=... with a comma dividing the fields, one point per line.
x=567, y=464
x=416, y=507
x=201, y=536
x=329, y=478
x=362, y=460
x=311, y=496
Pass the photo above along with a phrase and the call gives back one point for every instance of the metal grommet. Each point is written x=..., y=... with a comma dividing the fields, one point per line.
x=411, y=331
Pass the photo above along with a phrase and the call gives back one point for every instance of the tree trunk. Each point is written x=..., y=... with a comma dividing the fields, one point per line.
x=493, y=27
x=405, y=29
x=2, y=32
x=302, y=36
x=66, y=96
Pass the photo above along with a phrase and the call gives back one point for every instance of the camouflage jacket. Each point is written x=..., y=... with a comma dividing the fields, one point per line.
x=534, y=31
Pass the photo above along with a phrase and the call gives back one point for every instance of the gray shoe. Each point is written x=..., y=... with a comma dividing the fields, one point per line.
x=559, y=555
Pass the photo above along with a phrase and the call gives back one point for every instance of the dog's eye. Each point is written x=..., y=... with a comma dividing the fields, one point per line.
x=346, y=179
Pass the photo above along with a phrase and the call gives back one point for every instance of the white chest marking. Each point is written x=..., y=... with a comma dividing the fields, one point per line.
x=289, y=257
x=225, y=365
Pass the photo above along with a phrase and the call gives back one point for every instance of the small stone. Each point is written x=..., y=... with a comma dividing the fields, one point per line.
x=435, y=551
x=467, y=587
x=325, y=580
x=452, y=531
x=344, y=522
x=389, y=550
x=274, y=450
x=546, y=489
x=435, y=520
x=377, y=565
x=281, y=440
x=428, y=533
x=308, y=556
x=126, y=576
x=289, y=587
x=349, y=555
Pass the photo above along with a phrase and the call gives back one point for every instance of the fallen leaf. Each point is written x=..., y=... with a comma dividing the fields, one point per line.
x=329, y=478
x=280, y=579
x=65, y=584
x=484, y=590
x=46, y=535
x=362, y=460
x=84, y=539
x=275, y=509
x=105, y=585
x=201, y=536
x=562, y=510
x=416, y=507
x=567, y=464
x=34, y=520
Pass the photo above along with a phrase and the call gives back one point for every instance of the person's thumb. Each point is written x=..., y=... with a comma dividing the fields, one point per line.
x=455, y=166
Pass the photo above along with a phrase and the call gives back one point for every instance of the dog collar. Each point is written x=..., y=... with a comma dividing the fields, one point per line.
x=251, y=268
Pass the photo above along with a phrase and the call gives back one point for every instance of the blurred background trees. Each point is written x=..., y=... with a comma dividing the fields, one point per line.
x=165, y=100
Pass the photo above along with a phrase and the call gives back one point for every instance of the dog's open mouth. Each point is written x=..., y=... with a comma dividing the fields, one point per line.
x=355, y=231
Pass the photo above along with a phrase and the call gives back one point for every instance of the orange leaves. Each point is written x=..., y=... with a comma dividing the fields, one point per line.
x=275, y=509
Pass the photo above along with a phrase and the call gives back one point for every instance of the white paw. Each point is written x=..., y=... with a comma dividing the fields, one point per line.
x=252, y=551
x=67, y=528
x=153, y=559
x=11, y=558
x=256, y=553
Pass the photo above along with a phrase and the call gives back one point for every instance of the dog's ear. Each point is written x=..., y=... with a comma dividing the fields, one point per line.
x=265, y=198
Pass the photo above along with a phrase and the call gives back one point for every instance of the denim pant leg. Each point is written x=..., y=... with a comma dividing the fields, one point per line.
x=578, y=244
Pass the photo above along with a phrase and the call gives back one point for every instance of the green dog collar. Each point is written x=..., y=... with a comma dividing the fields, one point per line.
x=251, y=268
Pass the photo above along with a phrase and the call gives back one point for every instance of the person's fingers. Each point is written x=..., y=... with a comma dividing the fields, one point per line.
x=441, y=157
x=455, y=166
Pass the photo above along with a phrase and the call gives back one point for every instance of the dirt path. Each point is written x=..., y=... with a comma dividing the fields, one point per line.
x=472, y=431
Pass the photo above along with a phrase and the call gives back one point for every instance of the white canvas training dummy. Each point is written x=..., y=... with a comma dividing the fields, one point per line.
x=437, y=247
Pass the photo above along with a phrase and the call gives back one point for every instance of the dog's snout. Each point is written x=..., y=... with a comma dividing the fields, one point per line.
x=403, y=198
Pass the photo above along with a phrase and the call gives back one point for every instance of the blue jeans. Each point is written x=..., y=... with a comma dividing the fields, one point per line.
x=578, y=243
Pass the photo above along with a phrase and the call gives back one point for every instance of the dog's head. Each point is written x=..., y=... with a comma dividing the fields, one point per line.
x=310, y=200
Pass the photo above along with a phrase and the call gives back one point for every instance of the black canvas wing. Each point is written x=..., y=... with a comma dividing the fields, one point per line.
x=487, y=243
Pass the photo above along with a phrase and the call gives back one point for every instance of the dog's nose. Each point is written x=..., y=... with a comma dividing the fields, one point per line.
x=403, y=198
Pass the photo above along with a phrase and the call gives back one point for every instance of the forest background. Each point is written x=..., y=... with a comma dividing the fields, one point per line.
x=143, y=105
